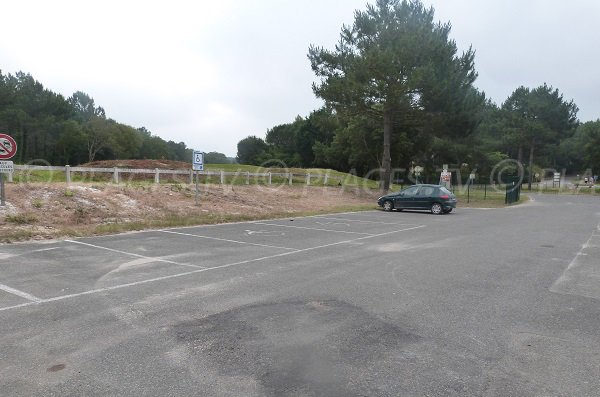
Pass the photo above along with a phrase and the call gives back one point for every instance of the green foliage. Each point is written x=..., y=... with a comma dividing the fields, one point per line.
x=216, y=158
x=398, y=67
x=22, y=219
x=251, y=150
x=74, y=130
x=538, y=118
x=582, y=150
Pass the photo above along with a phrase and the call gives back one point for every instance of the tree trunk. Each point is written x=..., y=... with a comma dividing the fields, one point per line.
x=531, y=163
x=520, y=154
x=387, y=158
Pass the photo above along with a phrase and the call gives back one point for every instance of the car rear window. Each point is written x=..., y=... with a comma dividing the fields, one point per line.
x=444, y=190
x=426, y=191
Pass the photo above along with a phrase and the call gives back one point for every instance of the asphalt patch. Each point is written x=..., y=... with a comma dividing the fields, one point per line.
x=317, y=347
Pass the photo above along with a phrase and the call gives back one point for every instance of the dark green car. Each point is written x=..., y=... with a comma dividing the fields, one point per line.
x=434, y=198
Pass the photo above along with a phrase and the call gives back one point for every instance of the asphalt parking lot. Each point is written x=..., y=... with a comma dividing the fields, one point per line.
x=477, y=302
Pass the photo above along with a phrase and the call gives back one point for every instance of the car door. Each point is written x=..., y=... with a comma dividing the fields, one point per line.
x=424, y=197
x=406, y=198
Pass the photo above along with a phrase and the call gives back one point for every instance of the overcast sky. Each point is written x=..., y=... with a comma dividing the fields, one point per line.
x=210, y=73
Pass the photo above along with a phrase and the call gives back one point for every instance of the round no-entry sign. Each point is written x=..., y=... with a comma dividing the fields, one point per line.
x=8, y=147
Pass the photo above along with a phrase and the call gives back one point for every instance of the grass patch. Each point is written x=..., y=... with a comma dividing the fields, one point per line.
x=39, y=176
x=21, y=219
x=17, y=235
x=317, y=177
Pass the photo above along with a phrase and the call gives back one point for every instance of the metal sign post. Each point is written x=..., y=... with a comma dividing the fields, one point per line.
x=445, y=178
x=197, y=165
x=2, y=193
x=6, y=167
x=197, y=189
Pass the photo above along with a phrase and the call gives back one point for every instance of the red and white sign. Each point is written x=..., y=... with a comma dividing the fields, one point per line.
x=8, y=147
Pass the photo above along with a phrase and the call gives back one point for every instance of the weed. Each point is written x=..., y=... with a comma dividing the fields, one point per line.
x=80, y=214
x=69, y=193
x=37, y=203
x=176, y=187
x=17, y=235
x=21, y=219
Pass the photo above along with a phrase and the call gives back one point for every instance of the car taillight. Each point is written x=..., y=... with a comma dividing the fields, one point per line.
x=445, y=197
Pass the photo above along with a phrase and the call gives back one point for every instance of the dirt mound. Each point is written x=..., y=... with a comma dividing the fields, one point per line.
x=54, y=210
x=145, y=164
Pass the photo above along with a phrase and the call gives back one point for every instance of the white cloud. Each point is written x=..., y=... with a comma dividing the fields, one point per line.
x=211, y=73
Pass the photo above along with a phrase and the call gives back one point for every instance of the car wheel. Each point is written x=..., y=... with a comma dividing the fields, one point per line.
x=388, y=205
x=436, y=208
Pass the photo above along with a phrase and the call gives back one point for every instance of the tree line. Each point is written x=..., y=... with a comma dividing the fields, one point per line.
x=74, y=130
x=398, y=94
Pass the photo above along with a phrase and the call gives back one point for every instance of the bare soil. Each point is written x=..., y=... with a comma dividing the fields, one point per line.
x=54, y=210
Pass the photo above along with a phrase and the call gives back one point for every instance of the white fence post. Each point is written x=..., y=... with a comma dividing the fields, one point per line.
x=156, y=172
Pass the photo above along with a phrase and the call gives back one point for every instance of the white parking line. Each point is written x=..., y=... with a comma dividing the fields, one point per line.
x=578, y=278
x=47, y=249
x=362, y=221
x=229, y=241
x=313, y=228
x=4, y=255
x=120, y=286
x=136, y=255
x=22, y=294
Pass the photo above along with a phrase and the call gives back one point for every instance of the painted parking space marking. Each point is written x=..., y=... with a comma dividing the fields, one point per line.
x=313, y=228
x=46, y=249
x=333, y=224
x=136, y=255
x=582, y=275
x=199, y=270
x=360, y=221
x=6, y=255
x=264, y=232
x=19, y=293
x=230, y=241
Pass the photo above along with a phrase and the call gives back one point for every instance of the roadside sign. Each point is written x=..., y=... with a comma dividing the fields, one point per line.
x=198, y=161
x=198, y=165
x=6, y=167
x=556, y=179
x=8, y=147
x=446, y=178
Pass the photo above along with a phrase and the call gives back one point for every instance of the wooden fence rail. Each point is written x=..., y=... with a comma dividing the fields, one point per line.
x=286, y=177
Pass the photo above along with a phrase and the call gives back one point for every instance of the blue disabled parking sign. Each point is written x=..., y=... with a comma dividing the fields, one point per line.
x=198, y=161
